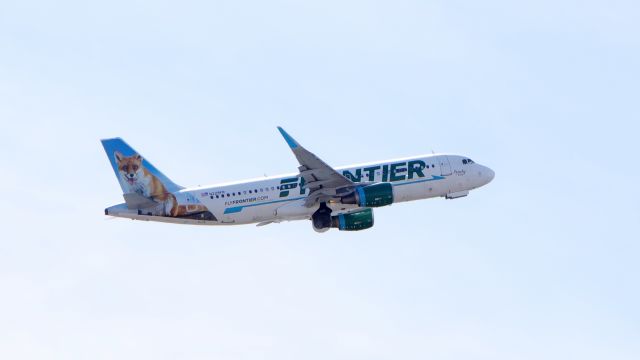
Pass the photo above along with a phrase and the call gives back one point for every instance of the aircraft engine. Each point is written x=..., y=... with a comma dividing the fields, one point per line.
x=354, y=221
x=374, y=195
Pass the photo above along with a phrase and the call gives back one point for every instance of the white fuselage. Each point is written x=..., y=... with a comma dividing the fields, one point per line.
x=281, y=198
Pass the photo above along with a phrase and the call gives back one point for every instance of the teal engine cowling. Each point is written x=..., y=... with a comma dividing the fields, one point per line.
x=374, y=195
x=355, y=221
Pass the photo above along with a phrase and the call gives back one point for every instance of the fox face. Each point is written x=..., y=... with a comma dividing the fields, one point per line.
x=136, y=179
x=130, y=168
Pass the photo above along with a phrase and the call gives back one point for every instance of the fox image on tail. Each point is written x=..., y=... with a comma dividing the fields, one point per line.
x=136, y=179
x=137, y=175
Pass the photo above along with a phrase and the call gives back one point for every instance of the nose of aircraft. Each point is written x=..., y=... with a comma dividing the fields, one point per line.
x=489, y=174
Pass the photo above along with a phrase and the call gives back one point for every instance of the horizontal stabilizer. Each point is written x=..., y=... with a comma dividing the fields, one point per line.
x=137, y=201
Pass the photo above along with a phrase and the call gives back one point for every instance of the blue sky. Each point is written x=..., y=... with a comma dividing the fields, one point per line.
x=542, y=263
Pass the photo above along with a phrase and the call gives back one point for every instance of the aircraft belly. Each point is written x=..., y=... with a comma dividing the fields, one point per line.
x=250, y=214
x=294, y=210
x=441, y=189
x=407, y=192
x=420, y=190
x=164, y=219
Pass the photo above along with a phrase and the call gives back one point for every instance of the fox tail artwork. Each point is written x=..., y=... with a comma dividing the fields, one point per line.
x=341, y=197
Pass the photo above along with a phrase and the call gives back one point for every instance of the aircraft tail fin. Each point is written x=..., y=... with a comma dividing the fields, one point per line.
x=135, y=173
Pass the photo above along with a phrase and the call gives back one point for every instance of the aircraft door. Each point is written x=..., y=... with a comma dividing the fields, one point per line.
x=445, y=166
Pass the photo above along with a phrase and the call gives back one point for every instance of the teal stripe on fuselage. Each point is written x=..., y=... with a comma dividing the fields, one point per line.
x=237, y=209
x=434, y=178
x=233, y=210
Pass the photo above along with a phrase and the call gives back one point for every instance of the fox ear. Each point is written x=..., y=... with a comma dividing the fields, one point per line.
x=138, y=157
x=118, y=156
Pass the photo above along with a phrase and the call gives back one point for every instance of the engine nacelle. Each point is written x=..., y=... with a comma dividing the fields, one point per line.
x=354, y=221
x=375, y=195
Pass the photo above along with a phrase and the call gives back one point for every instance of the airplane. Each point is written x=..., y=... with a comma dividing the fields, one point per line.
x=342, y=198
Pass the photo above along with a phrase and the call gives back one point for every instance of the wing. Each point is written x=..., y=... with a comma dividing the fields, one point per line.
x=324, y=182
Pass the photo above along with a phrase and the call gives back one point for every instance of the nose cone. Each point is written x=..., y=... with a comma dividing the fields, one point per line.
x=488, y=174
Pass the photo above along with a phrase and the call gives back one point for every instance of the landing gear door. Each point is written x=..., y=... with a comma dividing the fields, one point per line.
x=445, y=167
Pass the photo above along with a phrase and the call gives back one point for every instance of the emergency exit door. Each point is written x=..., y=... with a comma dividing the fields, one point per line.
x=445, y=167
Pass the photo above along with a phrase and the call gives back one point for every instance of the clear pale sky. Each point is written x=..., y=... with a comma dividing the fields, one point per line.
x=540, y=264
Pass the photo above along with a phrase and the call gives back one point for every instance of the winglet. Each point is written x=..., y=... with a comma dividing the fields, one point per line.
x=290, y=141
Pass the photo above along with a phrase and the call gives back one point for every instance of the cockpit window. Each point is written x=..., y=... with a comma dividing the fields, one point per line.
x=467, y=161
x=464, y=161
